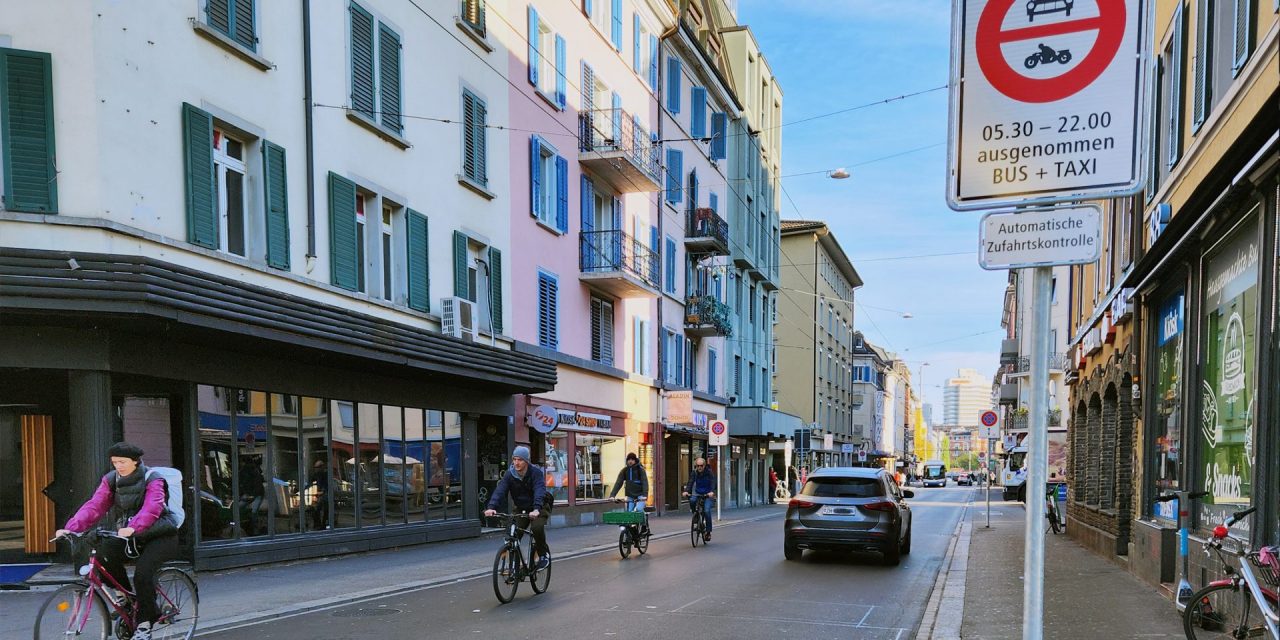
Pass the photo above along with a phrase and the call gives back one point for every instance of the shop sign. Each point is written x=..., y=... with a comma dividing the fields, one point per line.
x=1122, y=306
x=828, y=441
x=579, y=421
x=543, y=419
x=1092, y=341
x=1157, y=222
x=680, y=407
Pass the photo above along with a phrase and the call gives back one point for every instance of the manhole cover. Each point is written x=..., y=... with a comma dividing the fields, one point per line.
x=365, y=613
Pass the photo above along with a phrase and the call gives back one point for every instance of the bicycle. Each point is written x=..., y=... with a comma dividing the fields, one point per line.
x=1222, y=608
x=80, y=608
x=634, y=527
x=514, y=562
x=697, y=529
x=1051, y=508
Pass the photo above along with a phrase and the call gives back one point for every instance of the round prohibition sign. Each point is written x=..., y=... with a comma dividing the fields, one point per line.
x=989, y=418
x=717, y=427
x=1109, y=23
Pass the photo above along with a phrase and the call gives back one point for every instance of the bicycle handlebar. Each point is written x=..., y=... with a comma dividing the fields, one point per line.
x=1194, y=495
x=1238, y=516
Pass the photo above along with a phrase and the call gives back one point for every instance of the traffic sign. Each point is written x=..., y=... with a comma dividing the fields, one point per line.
x=989, y=433
x=1045, y=99
x=862, y=455
x=989, y=418
x=719, y=430
x=1040, y=237
x=846, y=447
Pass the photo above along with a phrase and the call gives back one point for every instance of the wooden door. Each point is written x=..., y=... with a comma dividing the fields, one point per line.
x=37, y=473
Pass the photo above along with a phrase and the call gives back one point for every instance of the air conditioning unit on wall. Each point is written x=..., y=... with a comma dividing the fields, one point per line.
x=458, y=318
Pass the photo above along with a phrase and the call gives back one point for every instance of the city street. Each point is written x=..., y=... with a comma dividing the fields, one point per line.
x=738, y=586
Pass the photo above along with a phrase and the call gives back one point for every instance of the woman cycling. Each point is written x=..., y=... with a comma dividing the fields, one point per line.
x=136, y=509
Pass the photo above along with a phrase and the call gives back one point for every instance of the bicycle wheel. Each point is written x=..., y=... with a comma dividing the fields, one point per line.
x=1055, y=524
x=179, y=605
x=540, y=579
x=506, y=571
x=1222, y=611
x=642, y=543
x=72, y=610
x=695, y=529
x=624, y=544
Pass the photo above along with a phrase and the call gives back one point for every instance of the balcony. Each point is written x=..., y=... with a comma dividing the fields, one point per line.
x=706, y=316
x=706, y=233
x=617, y=264
x=617, y=150
x=1008, y=394
x=1057, y=362
x=1022, y=421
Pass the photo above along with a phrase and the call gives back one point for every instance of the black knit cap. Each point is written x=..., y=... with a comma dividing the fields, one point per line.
x=633, y=456
x=124, y=450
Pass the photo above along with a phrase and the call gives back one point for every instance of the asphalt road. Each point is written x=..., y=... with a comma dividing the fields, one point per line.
x=739, y=586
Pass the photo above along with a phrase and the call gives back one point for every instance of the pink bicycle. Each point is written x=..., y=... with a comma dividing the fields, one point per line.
x=88, y=608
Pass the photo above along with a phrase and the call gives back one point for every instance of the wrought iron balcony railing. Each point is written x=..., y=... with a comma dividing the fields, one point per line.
x=706, y=232
x=706, y=316
x=608, y=135
x=615, y=255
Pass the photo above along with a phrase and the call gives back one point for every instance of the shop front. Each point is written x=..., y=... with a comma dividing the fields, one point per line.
x=302, y=430
x=682, y=444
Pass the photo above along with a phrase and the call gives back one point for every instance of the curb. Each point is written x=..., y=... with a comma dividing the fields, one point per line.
x=312, y=606
x=945, y=610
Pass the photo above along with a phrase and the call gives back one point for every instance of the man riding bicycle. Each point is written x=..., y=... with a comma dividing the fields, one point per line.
x=527, y=485
x=636, y=481
x=703, y=487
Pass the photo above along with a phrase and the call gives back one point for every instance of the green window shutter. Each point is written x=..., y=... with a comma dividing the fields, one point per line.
x=275, y=183
x=461, y=284
x=474, y=138
x=362, y=61
x=344, y=265
x=418, y=252
x=389, y=77
x=26, y=118
x=218, y=15
x=245, y=30
x=202, y=208
x=495, y=288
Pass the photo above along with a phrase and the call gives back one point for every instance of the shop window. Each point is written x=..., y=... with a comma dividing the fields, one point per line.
x=346, y=479
x=1229, y=315
x=394, y=464
x=283, y=493
x=557, y=465
x=444, y=491
x=314, y=451
x=372, y=492
x=597, y=462
x=414, y=459
x=1166, y=445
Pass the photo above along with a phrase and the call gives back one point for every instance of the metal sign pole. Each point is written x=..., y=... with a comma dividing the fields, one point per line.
x=1038, y=457
x=719, y=469
x=986, y=477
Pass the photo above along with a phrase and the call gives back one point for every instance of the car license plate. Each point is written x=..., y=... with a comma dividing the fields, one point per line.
x=835, y=511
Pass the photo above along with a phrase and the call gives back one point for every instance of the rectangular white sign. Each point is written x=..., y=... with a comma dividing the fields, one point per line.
x=1039, y=237
x=1045, y=101
x=989, y=433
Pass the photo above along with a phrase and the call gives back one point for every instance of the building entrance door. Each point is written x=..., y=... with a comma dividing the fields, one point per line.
x=26, y=514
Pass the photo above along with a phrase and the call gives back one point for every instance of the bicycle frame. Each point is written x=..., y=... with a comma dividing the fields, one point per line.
x=516, y=533
x=97, y=578
x=1266, y=599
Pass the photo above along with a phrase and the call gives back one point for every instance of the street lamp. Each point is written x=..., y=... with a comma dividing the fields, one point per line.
x=838, y=174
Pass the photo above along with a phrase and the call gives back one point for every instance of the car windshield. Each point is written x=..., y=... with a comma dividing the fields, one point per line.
x=843, y=488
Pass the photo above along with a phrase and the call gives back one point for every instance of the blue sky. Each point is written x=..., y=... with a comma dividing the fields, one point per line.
x=835, y=54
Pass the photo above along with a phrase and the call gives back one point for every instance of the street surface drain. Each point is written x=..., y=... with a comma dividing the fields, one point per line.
x=365, y=613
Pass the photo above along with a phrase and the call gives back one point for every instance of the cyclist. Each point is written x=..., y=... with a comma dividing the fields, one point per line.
x=137, y=510
x=636, y=481
x=527, y=485
x=703, y=487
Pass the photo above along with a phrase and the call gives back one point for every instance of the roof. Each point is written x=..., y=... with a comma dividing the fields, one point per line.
x=856, y=472
x=828, y=240
x=798, y=226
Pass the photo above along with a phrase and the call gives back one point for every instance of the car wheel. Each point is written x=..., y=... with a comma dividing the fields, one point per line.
x=791, y=551
x=892, y=552
x=906, y=543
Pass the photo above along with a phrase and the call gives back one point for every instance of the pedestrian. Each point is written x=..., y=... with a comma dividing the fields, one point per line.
x=773, y=485
x=319, y=493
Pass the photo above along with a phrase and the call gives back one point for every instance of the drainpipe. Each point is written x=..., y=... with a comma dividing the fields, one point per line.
x=310, y=135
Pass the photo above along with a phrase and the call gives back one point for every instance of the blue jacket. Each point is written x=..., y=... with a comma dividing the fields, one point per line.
x=526, y=493
x=702, y=482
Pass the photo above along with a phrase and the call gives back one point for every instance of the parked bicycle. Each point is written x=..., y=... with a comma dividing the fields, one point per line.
x=96, y=606
x=1244, y=603
x=1051, y=508
x=633, y=530
x=515, y=562
x=698, y=528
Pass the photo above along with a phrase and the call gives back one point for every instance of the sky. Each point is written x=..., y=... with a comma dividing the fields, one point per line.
x=836, y=54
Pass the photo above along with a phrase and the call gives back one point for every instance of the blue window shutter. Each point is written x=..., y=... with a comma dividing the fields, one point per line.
x=548, y=312
x=535, y=175
x=561, y=94
x=617, y=120
x=495, y=288
x=362, y=61
x=673, y=84
x=653, y=62
x=616, y=245
x=617, y=25
x=586, y=7
x=197, y=134
x=719, y=134
x=635, y=42
x=562, y=194
x=675, y=168
x=533, y=46
x=671, y=265
x=715, y=202
x=418, y=253
x=655, y=254
x=711, y=371
x=588, y=205
x=698, y=112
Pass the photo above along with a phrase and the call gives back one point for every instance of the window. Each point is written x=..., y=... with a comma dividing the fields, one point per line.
x=549, y=185
x=234, y=19
x=606, y=15
x=669, y=261
x=28, y=176
x=389, y=280
x=1175, y=57
x=698, y=112
x=751, y=379
x=548, y=310
x=361, y=226
x=475, y=137
x=675, y=169
x=597, y=461
x=229, y=181
x=638, y=35
x=641, y=363
x=473, y=15
x=751, y=301
x=653, y=62
x=557, y=464
x=602, y=331
x=737, y=376
x=375, y=70
x=546, y=60
x=712, y=358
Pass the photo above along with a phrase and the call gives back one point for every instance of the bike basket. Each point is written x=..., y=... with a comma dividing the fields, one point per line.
x=623, y=517
x=1265, y=568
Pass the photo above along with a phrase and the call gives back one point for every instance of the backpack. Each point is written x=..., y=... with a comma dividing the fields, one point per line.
x=172, y=499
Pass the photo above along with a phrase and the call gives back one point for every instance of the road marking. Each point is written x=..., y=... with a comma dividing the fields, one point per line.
x=688, y=604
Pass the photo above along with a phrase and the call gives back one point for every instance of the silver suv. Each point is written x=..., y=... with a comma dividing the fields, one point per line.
x=849, y=509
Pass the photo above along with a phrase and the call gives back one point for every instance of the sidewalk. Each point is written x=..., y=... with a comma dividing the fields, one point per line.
x=241, y=596
x=1086, y=596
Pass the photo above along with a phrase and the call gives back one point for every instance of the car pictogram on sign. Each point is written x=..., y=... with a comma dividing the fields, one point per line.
x=1041, y=7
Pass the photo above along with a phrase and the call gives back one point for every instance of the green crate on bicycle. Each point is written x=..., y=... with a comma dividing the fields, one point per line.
x=622, y=516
